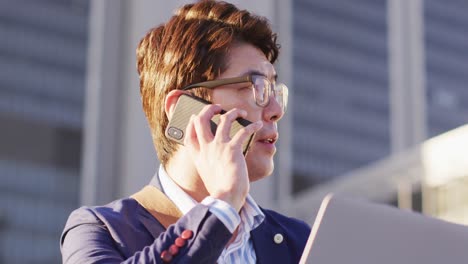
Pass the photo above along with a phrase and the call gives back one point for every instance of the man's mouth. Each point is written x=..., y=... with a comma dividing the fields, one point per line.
x=270, y=139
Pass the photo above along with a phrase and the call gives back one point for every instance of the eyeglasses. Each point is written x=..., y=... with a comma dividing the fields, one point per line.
x=262, y=88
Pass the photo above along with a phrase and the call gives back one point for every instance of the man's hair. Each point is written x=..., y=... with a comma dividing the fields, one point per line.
x=192, y=47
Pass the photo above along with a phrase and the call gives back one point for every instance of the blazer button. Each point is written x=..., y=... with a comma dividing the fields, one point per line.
x=278, y=238
x=180, y=242
x=173, y=249
x=187, y=234
x=166, y=256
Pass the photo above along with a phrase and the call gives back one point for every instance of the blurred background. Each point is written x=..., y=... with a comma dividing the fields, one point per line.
x=377, y=109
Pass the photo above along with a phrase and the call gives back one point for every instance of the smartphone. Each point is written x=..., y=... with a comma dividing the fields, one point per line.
x=189, y=105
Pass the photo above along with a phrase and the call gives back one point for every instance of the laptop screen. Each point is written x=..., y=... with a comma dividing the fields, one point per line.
x=353, y=231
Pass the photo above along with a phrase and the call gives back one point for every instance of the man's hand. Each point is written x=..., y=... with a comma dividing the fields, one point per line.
x=218, y=158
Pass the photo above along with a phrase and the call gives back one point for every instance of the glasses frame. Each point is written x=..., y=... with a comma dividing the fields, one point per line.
x=243, y=79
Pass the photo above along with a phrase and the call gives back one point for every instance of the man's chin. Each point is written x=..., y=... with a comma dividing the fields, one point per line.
x=258, y=172
x=259, y=164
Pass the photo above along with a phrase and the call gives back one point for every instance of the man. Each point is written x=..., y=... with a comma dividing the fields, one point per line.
x=207, y=178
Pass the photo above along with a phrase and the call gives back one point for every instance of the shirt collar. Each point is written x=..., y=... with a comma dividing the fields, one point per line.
x=251, y=214
x=180, y=198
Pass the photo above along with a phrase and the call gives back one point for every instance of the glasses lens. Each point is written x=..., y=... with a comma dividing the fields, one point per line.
x=261, y=90
x=281, y=95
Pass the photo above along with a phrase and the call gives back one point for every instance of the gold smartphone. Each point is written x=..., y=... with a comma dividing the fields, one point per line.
x=189, y=105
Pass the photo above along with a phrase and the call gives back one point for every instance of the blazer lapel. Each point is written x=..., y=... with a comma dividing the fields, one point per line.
x=158, y=205
x=148, y=220
x=154, y=227
x=266, y=249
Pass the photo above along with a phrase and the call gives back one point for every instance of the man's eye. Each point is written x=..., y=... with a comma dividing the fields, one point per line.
x=244, y=88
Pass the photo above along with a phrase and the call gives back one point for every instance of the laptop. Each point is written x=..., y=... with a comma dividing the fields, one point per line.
x=352, y=231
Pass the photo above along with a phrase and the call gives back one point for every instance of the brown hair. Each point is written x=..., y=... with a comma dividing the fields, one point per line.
x=189, y=48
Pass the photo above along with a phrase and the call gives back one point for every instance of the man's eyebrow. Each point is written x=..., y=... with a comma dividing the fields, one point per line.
x=255, y=72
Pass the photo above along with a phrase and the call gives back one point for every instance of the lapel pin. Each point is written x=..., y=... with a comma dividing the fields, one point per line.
x=278, y=238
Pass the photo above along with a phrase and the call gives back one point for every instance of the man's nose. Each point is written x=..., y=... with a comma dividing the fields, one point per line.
x=273, y=111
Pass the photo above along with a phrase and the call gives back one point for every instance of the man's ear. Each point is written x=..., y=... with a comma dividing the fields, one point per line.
x=171, y=100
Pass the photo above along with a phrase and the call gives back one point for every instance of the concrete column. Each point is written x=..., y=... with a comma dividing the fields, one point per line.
x=407, y=73
x=101, y=125
x=138, y=160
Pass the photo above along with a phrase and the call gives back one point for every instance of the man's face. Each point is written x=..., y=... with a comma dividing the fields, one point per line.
x=242, y=60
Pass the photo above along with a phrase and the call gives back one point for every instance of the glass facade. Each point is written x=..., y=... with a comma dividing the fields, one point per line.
x=42, y=77
x=446, y=41
x=340, y=103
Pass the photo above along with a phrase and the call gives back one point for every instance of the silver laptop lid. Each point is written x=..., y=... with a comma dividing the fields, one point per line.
x=351, y=231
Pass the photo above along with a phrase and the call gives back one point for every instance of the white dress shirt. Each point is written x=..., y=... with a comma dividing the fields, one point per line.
x=241, y=249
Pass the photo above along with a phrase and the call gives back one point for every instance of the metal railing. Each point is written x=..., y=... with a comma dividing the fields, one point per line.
x=438, y=168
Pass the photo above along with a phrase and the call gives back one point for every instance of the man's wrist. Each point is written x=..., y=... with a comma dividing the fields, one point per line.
x=236, y=201
x=225, y=212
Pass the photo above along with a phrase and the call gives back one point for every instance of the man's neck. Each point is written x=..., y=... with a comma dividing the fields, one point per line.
x=185, y=175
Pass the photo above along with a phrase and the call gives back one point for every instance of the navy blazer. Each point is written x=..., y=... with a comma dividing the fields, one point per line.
x=124, y=232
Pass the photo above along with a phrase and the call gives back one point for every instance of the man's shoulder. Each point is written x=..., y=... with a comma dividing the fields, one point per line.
x=122, y=211
x=290, y=224
x=294, y=230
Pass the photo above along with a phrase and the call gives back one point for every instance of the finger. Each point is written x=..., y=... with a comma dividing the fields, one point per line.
x=225, y=123
x=191, y=140
x=202, y=123
x=241, y=136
